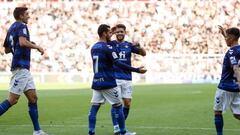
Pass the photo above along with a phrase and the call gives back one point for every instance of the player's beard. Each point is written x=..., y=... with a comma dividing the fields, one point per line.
x=108, y=39
x=120, y=38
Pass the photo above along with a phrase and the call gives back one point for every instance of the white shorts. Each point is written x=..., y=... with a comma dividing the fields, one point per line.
x=21, y=81
x=125, y=87
x=111, y=95
x=224, y=99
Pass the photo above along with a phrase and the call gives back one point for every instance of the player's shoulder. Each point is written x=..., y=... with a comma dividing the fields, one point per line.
x=127, y=42
x=17, y=25
x=112, y=42
x=102, y=45
x=234, y=50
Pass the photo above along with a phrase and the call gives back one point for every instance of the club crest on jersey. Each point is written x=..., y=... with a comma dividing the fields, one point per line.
x=109, y=46
x=126, y=46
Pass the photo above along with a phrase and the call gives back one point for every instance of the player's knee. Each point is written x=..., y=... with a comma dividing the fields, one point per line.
x=218, y=112
x=237, y=116
x=33, y=99
x=127, y=103
x=13, y=101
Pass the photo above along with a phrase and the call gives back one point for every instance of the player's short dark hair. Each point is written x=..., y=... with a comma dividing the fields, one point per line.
x=19, y=11
x=234, y=32
x=121, y=26
x=103, y=28
x=113, y=29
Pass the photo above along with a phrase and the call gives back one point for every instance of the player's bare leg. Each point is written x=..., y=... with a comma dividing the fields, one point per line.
x=13, y=98
x=6, y=104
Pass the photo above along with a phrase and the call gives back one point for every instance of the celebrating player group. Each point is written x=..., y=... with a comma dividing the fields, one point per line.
x=112, y=78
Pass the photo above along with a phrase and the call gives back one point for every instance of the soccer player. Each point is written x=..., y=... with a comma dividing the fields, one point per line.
x=18, y=43
x=104, y=84
x=228, y=92
x=124, y=78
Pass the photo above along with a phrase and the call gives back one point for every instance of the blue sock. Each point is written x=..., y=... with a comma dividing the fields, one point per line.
x=33, y=112
x=126, y=112
x=92, y=118
x=4, y=106
x=219, y=124
x=120, y=118
x=113, y=114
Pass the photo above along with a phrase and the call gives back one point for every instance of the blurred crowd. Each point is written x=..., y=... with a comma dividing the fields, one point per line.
x=168, y=29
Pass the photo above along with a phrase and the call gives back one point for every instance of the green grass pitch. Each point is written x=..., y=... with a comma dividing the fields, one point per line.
x=156, y=110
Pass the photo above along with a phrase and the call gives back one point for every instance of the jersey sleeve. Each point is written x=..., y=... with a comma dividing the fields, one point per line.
x=22, y=31
x=111, y=52
x=134, y=48
x=5, y=44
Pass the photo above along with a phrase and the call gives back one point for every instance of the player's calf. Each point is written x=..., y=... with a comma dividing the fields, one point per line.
x=219, y=122
x=4, y=106
x=31, y=96
x=126, y=108
x=92, y=116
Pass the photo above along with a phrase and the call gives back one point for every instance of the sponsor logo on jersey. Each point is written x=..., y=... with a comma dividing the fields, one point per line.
x=114, y=54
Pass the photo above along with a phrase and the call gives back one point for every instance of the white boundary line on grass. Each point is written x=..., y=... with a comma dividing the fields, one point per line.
x=141, y=127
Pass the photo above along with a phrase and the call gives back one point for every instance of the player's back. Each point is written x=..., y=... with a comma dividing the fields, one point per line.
x=103, y=66
x=228, y=79
x=21, y=55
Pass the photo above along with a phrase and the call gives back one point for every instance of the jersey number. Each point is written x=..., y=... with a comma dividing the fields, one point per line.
x=95, y=58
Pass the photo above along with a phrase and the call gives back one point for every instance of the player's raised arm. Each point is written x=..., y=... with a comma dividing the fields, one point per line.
x=222, y=31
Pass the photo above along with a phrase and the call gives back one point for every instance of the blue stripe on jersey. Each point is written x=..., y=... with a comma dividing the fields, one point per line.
x=103, y=59
x=124, y=51
x=228, y=81
x=21, y=55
